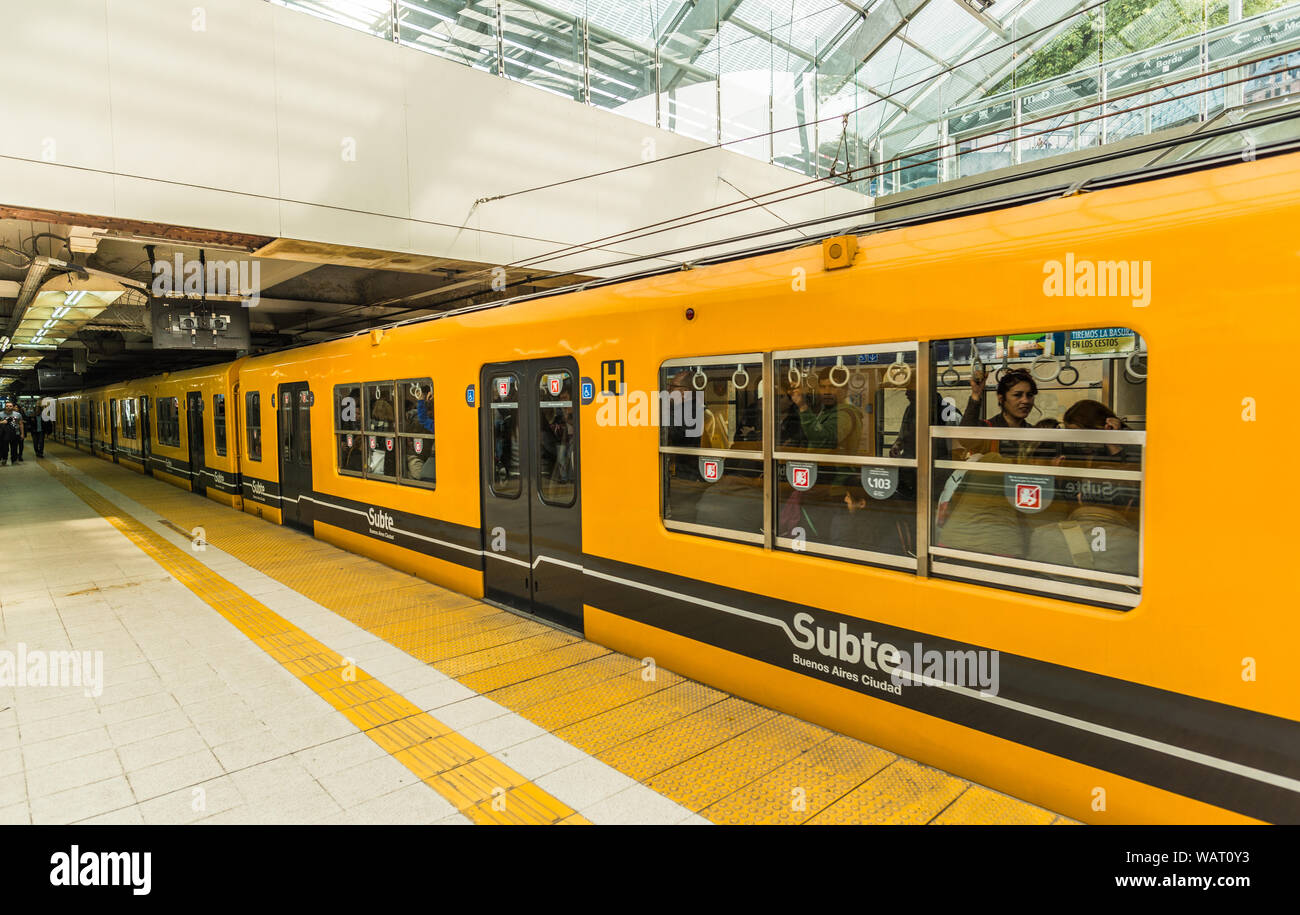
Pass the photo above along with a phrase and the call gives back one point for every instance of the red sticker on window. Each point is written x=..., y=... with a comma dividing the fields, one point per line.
x=801, y=478
x=556, y=384
x=349, y=441
x=372, y=441
x=503, y=387
x=710, y=470
x=419, y=445
x=1029, y=495
x=388, y=444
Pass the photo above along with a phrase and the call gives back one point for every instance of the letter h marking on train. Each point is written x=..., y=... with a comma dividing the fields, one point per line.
x=611, y=376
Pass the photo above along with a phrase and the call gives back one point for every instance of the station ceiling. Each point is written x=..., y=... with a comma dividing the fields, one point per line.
x=75, y=292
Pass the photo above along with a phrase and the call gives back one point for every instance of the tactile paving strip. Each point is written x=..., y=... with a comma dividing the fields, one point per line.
x=695, y=745
x=480, y=786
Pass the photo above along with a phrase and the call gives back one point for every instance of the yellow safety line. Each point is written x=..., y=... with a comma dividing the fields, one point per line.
x=480, y=786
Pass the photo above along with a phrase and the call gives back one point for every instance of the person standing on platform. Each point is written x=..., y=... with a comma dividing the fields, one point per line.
x=22, y=436
x=42, y=425
x=11, y=435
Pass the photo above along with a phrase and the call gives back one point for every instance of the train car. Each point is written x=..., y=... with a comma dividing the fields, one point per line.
x=338, y=439
x=188, y=415
x=914, y=486
x=66, y=429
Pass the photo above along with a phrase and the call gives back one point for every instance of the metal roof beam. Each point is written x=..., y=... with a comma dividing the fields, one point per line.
x=983, y=18
x=885, y=19
x=697, y=27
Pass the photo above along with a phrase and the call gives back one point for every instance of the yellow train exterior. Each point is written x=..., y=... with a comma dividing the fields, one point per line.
x=173, y=426
x=1175, y=700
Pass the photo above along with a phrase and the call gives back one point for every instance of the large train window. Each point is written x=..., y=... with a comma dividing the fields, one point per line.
x=1037, y=444
x=415, y=432
x=711, y=446
x=845, y=452
x=253, y=423
x=127, y=406
x=380, y=420
x=557, y=439
x=219, y=422
x=504, y=404
x=169, y=422
x=347, y=429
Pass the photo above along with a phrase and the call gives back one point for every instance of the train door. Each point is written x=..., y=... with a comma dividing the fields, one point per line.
x=92, y=427
x=194, y=432
x=295, y=454
x=146, y=437
x=532, y=512
x=112, y=429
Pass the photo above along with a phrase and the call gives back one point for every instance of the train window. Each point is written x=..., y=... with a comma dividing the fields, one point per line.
x=347, y=429
x=711, y=446
x=845, y=453
x=127, y=407
x=1037, y=444
x=380, y=428
x=556, y=441
x=415, y=433
x=253, y=423
x=169, y=422
x=504, y=404
x=219, y=422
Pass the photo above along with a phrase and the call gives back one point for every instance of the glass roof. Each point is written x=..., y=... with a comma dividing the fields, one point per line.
x=906, y=73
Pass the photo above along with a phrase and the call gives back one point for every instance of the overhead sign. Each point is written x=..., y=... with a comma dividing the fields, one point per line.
x=981, y=118
x=1283, y=31
x=58, y=380
x=1152, y=67
x=199, y=324
x=1059, y=96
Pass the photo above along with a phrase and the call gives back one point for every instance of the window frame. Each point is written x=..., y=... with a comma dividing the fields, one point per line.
x=759, y=456
x=220, y=425
x=400, y=475
x=574, y=402
x=402, y=478
x=514, y=375
x=252, y=408
x=359, y=432
x=777, y=457
x=933, y=562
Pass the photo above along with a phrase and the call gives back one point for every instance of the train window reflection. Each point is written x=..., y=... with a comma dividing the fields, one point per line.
x=711, y=446
x=846, y=453
x=348, y=439
x=415, y=432
x=504, y=404
x=1037, y=450
x=218, y=421
x=380, y=441
x=253, y=423
x=556, y=440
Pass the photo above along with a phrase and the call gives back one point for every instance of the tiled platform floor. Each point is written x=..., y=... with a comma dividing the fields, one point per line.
x=196, y=722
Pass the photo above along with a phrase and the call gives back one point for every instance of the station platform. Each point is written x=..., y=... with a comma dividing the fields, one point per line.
x=259, y=675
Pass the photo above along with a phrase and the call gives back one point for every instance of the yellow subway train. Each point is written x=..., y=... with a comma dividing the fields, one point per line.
x=914, y=485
